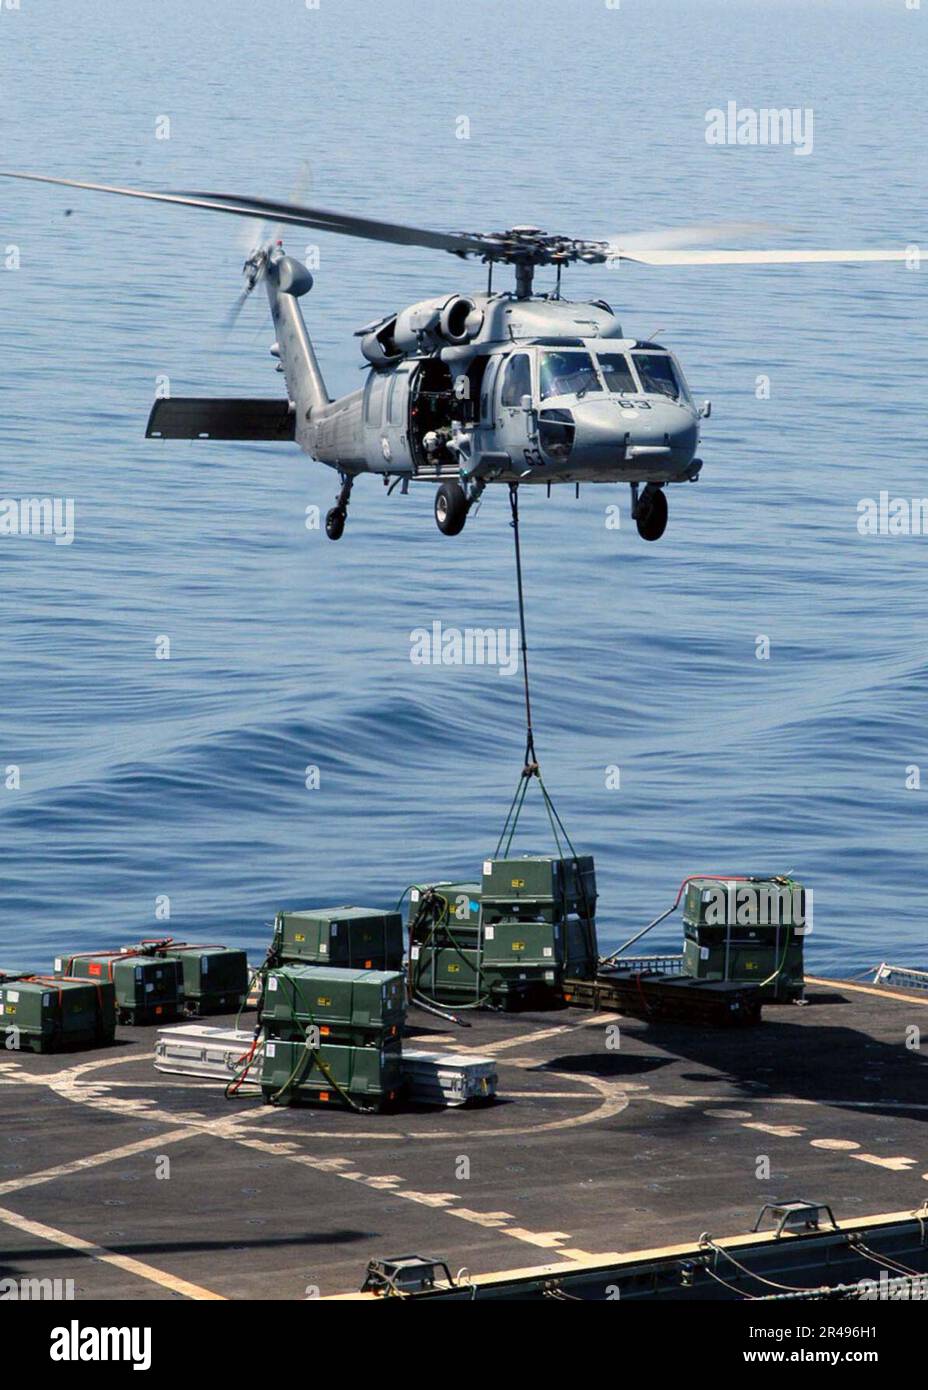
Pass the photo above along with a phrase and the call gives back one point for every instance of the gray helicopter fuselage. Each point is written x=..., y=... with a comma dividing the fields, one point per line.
x=471, y=390
x=537, y=390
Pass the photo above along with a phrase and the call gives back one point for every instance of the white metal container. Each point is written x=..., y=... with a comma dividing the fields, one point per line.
x=193, y=1049
x=448, y=1078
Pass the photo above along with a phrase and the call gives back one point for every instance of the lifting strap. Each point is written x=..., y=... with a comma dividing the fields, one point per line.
x=530, y=767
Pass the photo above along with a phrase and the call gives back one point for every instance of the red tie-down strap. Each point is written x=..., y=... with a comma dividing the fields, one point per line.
x=715, y=878
x=158, y=944
x=110, y=956
x=55, y=981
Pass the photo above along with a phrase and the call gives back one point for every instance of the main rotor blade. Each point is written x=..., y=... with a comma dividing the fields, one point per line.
x=672, y=237
x=344, y=224
x=657, y=257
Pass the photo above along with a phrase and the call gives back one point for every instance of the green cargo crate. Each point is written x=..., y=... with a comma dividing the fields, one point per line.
x=569, y=946
x=749, y=962
x=570, y=884
x=717, y=903
x=447, y=974
x=215, y=977
x=459, y=977
x=523, y=943
x=516, y=985
x=522, y=986
x=148, y=990
x=50, y=1014
x=371, y=1076
x=520, y=910
x=458, y=923
x=463, y=901
x=521, y=958
x=744, y=936
x=462, y=938
x=351, y=938
x=358, y=1007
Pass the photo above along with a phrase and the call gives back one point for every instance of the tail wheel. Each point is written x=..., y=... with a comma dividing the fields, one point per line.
x=451, y=508
x=335, y=523
x=651, y=515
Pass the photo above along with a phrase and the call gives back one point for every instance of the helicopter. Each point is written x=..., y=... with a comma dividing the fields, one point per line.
x=468, y=390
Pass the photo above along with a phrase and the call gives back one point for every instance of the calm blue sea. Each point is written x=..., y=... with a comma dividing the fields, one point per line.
x=144, y=779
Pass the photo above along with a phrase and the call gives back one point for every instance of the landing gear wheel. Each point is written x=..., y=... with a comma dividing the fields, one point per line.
x=335, y=523
x=451, y=508
x=651, y=515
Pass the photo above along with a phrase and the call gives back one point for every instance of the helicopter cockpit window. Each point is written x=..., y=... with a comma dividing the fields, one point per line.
x=658, y=377
x=567, y=374
x=517, y=381
x=617, y=372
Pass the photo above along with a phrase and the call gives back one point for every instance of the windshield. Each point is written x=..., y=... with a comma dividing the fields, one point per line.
x=567, y=374
x=617, y=372
x=658, y=377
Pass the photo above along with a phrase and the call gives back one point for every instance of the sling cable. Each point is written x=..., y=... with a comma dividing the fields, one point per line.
x=531, y=769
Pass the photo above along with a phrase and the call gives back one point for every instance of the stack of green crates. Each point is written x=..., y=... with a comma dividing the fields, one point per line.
x=444, y=957
x=148, y=989
x=43, y=1013
x=514, y=938
x=754, y=937
x=215, y=978
x=331, y=1034
x=359, y=938
x=539, y=924
x=539, y=885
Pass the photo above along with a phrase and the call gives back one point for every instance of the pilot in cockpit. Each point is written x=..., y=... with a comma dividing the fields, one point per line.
x=567, y=374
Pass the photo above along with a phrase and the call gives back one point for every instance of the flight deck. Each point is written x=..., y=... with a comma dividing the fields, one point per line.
x=609, y=1135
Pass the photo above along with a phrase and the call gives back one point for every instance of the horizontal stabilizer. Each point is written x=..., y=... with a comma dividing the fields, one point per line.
x=195, y=417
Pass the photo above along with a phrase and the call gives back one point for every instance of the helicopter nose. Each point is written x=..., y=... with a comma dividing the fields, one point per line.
x=660, y=424
x=665, y=433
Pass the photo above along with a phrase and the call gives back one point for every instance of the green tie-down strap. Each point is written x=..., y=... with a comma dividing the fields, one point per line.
x=530, y=770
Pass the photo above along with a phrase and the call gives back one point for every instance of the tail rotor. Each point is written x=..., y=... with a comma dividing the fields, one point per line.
x=254, y=270
x=259, y=247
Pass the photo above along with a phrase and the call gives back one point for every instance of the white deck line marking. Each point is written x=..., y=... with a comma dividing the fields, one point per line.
x=613, y=1096
x=824, y=1103
x=779, y=1131
x=78, y=1165
x=866, y=989
x=545, y=1095
x=109, y=1257
x=539, y=1035
x=523, y=1040
x=548, y=1240
x=895, y=1165
x=490, y=1220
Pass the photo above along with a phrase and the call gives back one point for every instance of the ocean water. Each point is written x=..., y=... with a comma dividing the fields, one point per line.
x=143, y=780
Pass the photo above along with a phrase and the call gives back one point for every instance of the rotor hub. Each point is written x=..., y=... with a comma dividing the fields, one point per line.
x=531, y=246
x=526, y=247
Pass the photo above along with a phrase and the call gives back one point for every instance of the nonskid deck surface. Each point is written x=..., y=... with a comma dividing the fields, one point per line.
x=135, y=1184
